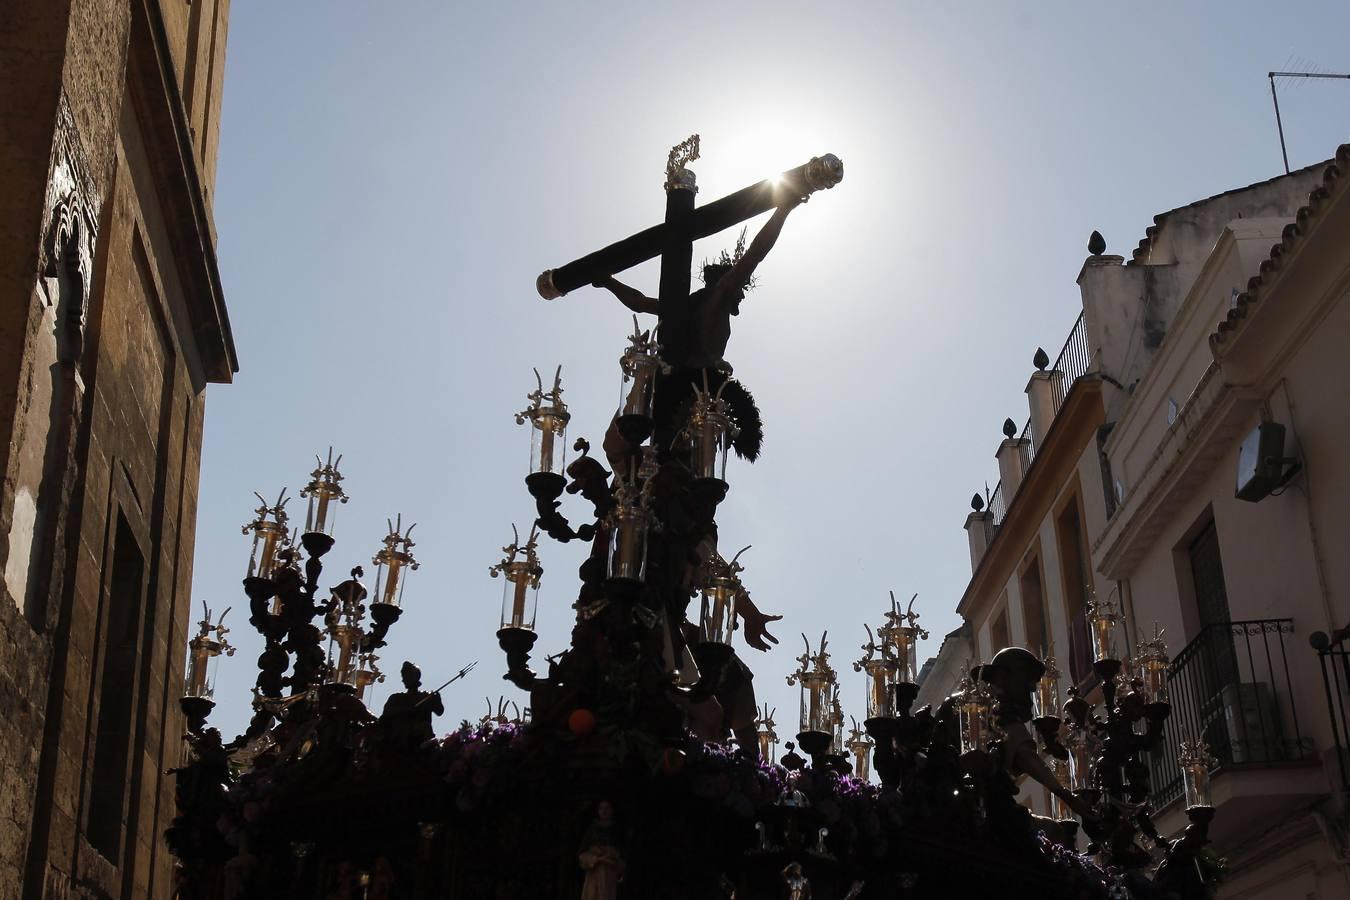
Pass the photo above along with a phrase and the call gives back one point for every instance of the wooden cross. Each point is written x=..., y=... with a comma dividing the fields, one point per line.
x=673, y=240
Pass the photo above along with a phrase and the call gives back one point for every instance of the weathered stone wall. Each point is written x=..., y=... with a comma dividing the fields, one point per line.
x=105, y=231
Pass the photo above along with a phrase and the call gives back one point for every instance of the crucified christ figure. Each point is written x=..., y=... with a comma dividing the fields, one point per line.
x=695, y=335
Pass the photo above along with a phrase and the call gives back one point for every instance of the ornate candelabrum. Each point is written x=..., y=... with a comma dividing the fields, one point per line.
x=816, y=679
x=283, y=605
x=520, y=571
x=548, y=418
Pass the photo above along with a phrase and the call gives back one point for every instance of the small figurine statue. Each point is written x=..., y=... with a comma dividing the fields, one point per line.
x=600, y=857
x=407, y=714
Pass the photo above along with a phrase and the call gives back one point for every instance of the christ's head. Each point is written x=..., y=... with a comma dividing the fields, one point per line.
x=714, y=273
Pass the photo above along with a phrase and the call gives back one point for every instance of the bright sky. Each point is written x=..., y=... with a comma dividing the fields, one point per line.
x=394, y=176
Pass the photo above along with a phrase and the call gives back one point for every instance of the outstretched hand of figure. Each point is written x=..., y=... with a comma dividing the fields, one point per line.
x=756, y=624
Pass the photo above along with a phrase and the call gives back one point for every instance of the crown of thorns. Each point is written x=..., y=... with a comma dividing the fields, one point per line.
x=716, y=268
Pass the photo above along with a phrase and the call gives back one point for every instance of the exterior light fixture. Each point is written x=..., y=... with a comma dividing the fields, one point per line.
x=548, y=417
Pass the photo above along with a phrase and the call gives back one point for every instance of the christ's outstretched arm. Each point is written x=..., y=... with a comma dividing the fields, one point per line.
x=754, y=254
x=632, y=298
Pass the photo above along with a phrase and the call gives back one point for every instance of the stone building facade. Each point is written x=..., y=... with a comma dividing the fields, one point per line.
x=1229, y=317
x=111, y=325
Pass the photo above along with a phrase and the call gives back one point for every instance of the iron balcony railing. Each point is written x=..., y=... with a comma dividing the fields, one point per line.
x=1334, y=656
x=1073, y=361
x=1230, y=687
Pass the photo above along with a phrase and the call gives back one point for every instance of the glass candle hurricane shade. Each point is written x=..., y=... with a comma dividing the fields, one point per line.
x=628, y=522
x=1196, y=762
x=393, y=562
x=1080, y=760
x=1045, y=700
x=1103, y=616
x=721, y=591
x=548, y=444
x=548, y=417
x=815, y=703
x=520, y=571
x=710, y=433
x=639, y=366
x=324, y=492
x=974, y=707
x=520, y=594
x=880, y=675
x=269, y=534
x=204, y=652
x=1153, y=662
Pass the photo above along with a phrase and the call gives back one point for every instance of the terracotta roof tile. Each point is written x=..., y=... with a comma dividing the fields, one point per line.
x=1304, y=221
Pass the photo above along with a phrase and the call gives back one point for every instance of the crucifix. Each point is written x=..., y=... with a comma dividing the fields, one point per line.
x=673, y=240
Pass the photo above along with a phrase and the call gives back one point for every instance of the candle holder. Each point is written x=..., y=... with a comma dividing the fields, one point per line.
x=816, y=678
x=709, y=432
x=1045, y=709
x=639, y=365
x=880, y=668
x=393, y=562
x=765, y=735
x=324, y=492
x=521, y=572
x=901, y=633
x=721, y=592
x=367, y=674
x=1196, y=762
x=344, y=624
x=974, y=713
x=860, y=745
x=204, y=650
x=269, y=535
x=1152, y=662
x=548, y=417
x=628, y=522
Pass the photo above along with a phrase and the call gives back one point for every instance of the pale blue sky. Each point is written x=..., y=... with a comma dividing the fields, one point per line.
x=393, y=176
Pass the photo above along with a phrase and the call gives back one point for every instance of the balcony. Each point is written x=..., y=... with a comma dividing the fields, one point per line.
x=1073, y=360
x=1231, y=688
